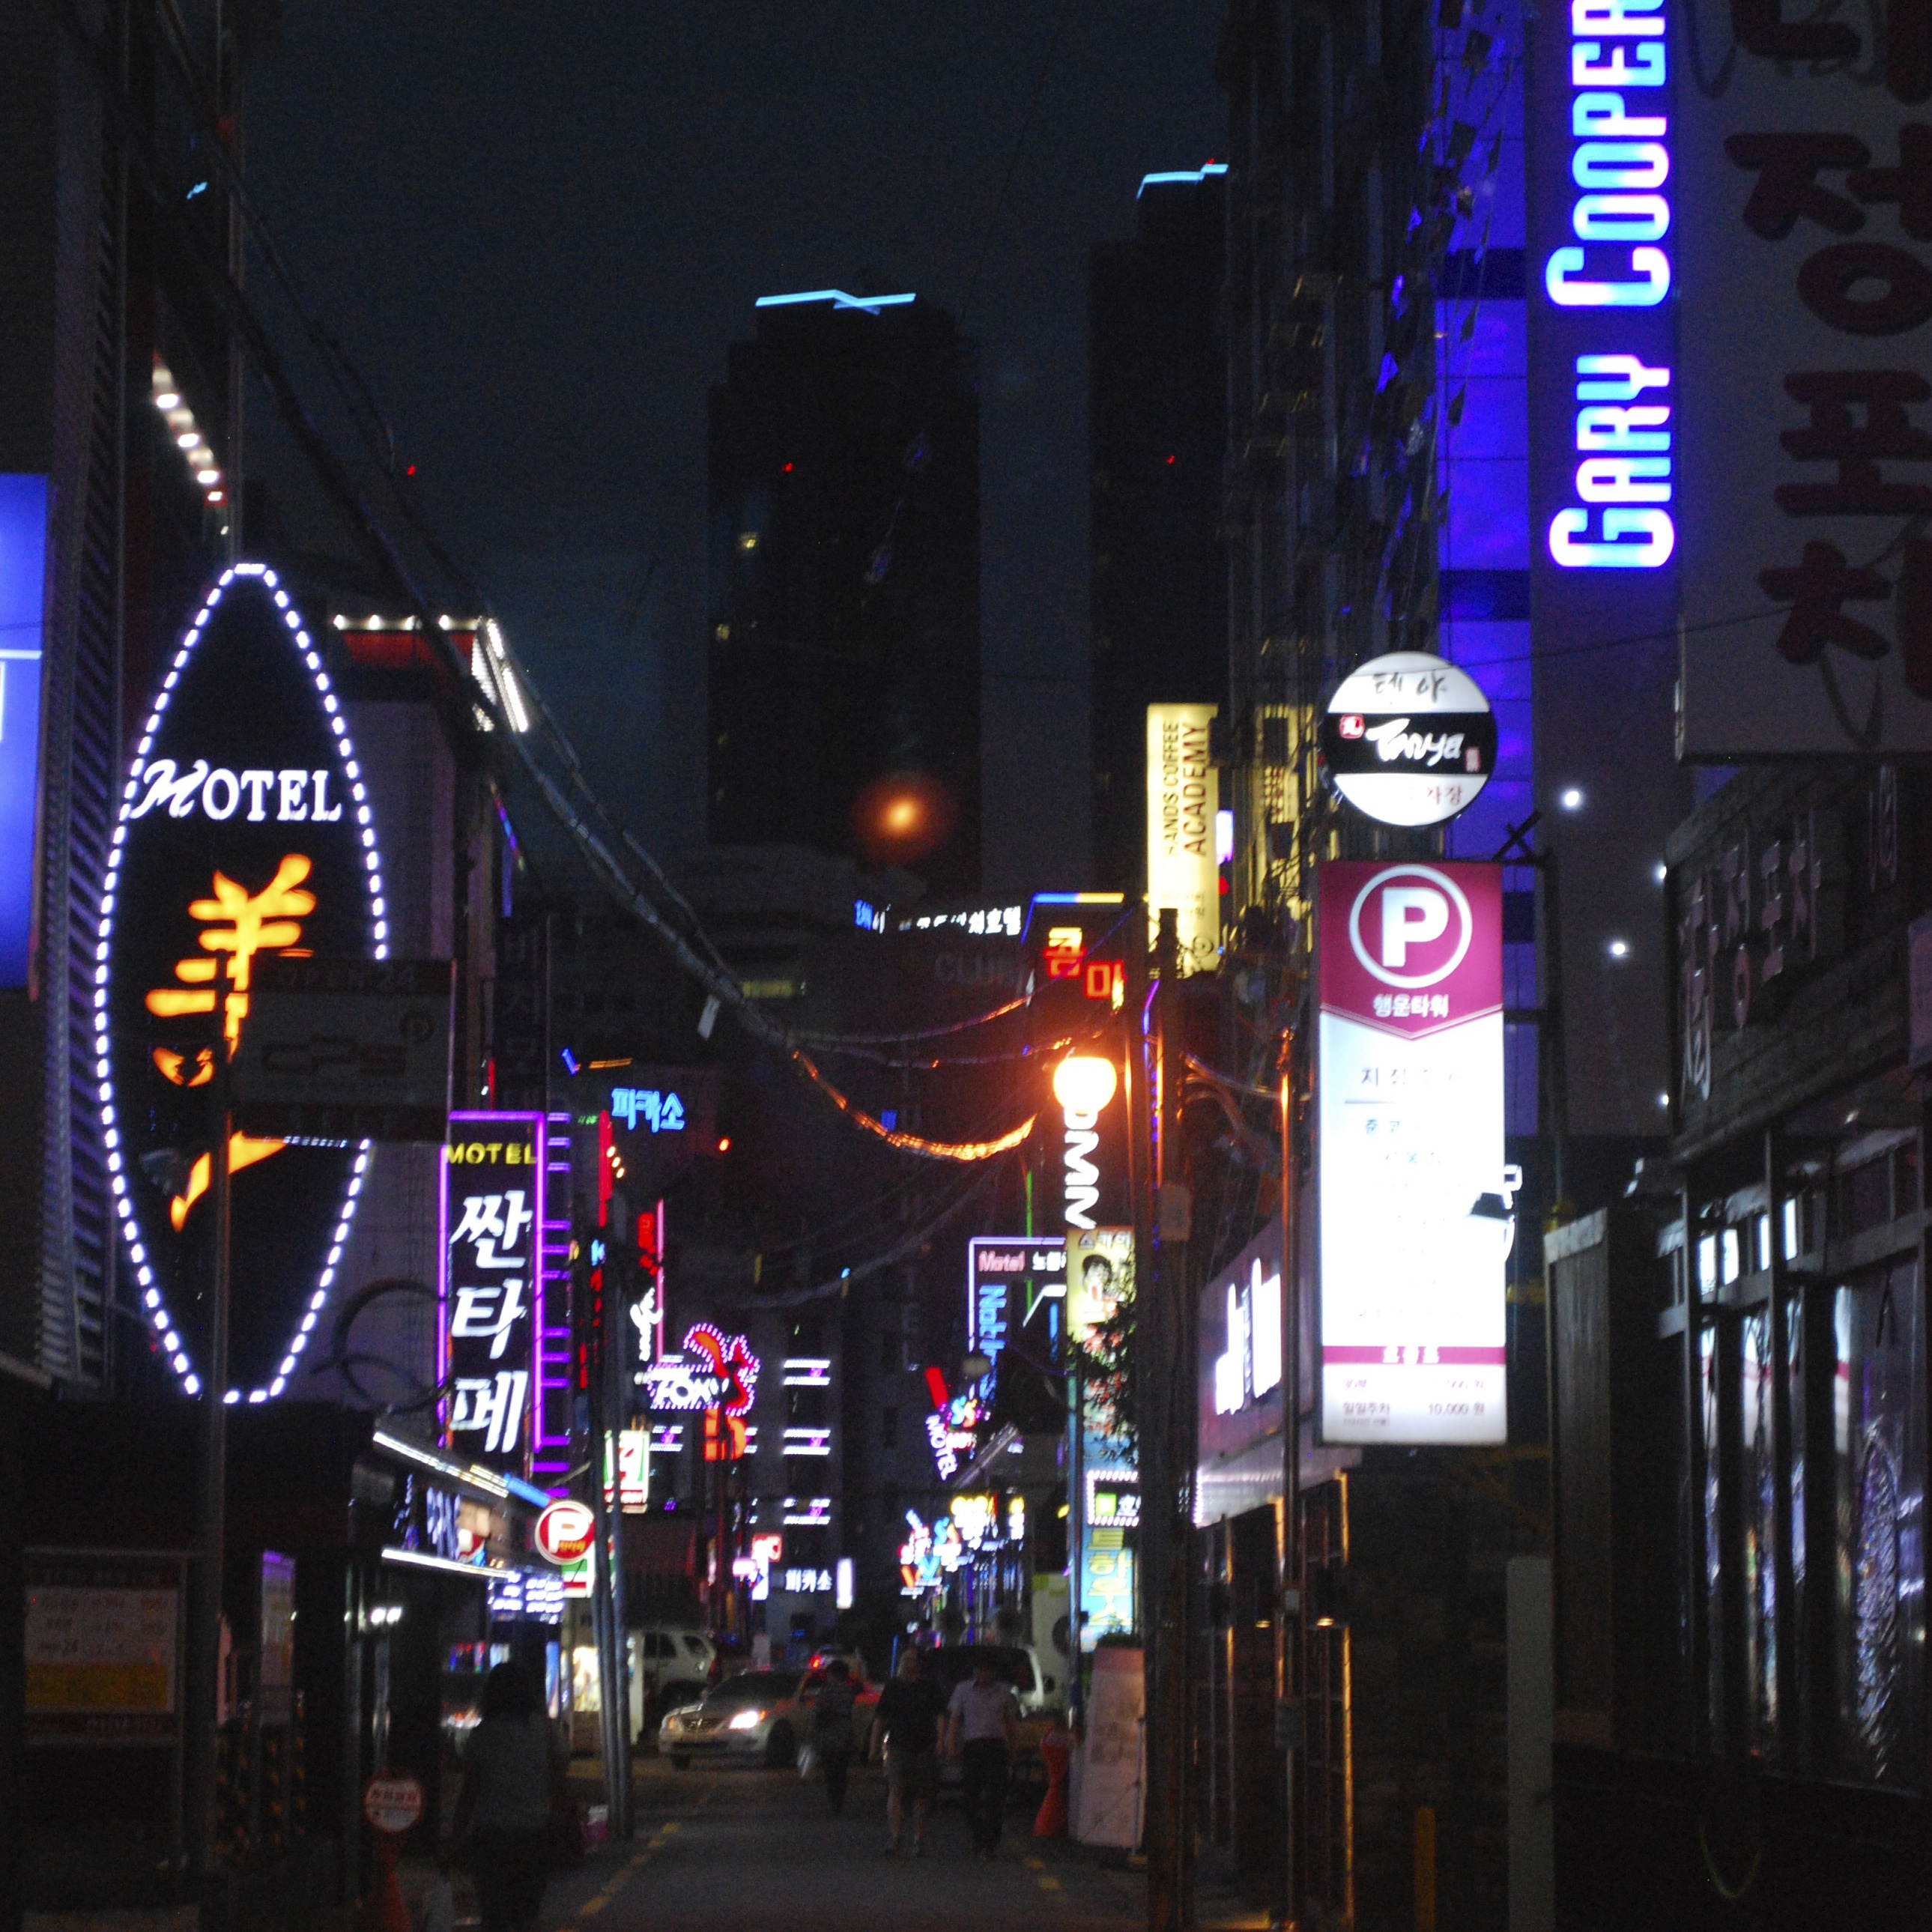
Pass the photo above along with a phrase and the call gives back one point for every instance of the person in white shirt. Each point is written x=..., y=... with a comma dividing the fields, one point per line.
x=983, y=1726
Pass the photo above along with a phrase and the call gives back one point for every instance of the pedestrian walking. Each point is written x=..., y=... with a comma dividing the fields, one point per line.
x=512, y=1777
x=982, y=1728
x=831, y=1736
x=905, y=1731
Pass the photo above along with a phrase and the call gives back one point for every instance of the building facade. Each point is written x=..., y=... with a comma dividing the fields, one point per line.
x=844, y=614
x=1157, y=425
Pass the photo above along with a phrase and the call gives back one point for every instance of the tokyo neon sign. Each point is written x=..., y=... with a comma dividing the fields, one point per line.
x=1620, y=213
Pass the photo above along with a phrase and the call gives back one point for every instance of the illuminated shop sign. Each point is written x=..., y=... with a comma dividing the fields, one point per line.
x=1183, y=796
x=651, y=1110
x=1249, y=1366
x=493, y=1203
x=518, y=1594
x=806, y=1582
x=23, y=554
x=1806, y=573
x=1010, y=1279
x=712, y=1371
x=1408, y=739
x=1083, y=1083
x=1113, y=1498
x=978, y=921
x=930, y=1554
x=1615, y=269
x=245, y=832
x=954, y=1423
x=1414, y=1229
x=647, y=1312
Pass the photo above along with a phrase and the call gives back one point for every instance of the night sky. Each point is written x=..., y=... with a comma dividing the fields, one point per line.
x=536, y=229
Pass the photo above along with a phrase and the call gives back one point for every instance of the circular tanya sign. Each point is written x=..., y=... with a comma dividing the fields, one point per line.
x=566, y=1530
x=1409, y=739
x=245, y=832
x=392, y=1801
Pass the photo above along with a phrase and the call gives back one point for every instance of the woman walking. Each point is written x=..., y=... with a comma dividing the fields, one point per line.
x=511, y=1772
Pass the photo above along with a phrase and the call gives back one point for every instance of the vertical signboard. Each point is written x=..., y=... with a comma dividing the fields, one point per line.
x=1414, y=1229
x=23, y=550
x=1015, y=1286
x=493, y=1189
x=1183, y=795
x=1602, y=284
x=1804, y=161
x=245, y=832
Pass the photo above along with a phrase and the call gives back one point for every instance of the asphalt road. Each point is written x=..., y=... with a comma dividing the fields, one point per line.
x=758, y=1851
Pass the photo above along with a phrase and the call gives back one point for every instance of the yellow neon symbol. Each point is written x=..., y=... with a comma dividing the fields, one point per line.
x=239, y=924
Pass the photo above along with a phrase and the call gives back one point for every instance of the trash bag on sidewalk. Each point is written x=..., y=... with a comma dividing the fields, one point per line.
x=439, y=1907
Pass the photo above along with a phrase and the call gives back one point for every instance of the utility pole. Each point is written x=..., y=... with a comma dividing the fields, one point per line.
x=201, y=1745
x=1293, y=1724
x=1166, y=1409
x=607, y=1383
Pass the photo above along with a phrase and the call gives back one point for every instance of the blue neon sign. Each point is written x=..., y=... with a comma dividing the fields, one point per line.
x=659, y=1111
x=1614, y=277
x=23, y=555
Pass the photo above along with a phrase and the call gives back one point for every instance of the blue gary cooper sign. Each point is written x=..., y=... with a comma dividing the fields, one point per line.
x=245, y=834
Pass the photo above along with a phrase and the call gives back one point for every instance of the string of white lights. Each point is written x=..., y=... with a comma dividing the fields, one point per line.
x=154, y=1302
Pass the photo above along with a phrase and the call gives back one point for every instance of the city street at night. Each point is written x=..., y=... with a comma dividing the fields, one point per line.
x=1033, y=898
x=756, y=1851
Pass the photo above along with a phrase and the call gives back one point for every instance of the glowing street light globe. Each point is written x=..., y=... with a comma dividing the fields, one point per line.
x=1083, y=1084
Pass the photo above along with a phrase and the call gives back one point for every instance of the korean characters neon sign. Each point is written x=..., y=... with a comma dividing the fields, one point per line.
x=1614, y=272
x=493, y=1172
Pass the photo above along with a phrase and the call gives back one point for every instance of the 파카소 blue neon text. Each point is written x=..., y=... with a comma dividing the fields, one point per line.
x=1620, y=169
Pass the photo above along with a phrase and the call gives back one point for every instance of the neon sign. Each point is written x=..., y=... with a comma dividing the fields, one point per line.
x=1617, y=269
x=658, y=1110
x=713, y=1370
x=197, y=889
x=492, y=1207
x=23, y=551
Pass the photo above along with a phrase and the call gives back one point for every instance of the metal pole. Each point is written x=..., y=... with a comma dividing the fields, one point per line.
x=618, y=1676
x=613, y=1718
x=1291, y=1489
x=1164, y=1415
x=203, y=1700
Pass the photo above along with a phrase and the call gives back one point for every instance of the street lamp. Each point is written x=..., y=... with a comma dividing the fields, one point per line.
x=1083, y=1083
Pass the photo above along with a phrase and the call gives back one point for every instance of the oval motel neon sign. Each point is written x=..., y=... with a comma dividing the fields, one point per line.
x=244, y=831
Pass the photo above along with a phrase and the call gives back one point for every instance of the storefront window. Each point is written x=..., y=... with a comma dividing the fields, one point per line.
x=1879, y=1418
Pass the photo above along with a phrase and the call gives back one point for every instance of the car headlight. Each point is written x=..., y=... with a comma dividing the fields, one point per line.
x=746, y=1720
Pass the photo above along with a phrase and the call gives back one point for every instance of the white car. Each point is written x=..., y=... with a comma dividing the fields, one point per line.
x=669, y=1667
x=758, y=1717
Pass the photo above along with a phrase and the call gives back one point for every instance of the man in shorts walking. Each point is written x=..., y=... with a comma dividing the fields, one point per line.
x=905, y=1730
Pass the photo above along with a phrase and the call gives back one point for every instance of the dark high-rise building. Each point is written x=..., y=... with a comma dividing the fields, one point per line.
x=1158, y=427
x=845, y=591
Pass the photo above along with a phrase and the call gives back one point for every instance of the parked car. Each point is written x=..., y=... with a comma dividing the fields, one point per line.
x=759, y=1716
x=669, y=1666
